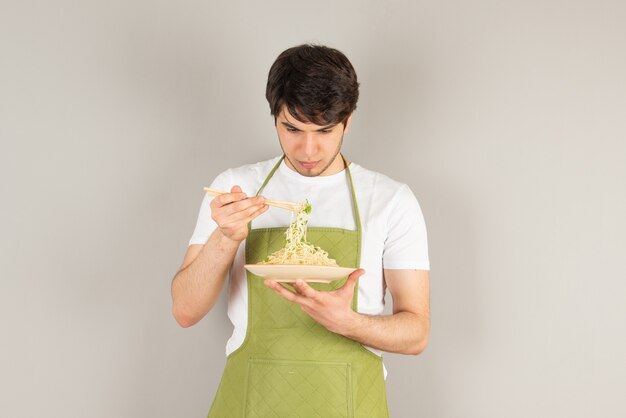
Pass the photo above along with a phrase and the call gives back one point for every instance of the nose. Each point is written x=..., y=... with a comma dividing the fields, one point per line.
x=310, y=145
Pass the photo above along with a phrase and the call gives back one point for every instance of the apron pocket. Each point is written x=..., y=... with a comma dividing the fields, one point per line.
x=286, y=388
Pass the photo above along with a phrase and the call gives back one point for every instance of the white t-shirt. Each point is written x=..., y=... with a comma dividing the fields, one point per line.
x=393, y=229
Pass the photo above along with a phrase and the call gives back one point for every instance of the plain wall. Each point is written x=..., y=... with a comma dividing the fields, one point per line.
x=506, y=119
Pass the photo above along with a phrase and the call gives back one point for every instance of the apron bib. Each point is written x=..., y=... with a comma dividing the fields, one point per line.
x=289, y=365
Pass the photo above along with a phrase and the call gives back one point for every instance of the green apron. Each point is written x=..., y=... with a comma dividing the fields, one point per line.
x=289, y=365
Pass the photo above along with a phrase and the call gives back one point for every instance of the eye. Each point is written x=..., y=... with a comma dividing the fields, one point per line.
x=326, y=131
x=291, y=129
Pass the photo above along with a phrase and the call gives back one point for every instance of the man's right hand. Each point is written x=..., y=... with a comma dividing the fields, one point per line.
x=232, y=212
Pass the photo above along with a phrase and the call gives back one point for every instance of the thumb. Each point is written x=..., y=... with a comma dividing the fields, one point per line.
x=349, y=285
x=235, y=189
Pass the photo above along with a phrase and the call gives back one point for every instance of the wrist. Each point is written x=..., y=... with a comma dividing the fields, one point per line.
x=227, y=242
x=349, y=325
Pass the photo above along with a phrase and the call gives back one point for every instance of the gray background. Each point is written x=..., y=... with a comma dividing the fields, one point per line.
x=506, y=118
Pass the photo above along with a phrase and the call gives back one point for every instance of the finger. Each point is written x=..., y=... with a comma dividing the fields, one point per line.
x=356, y=274
x=236, y=194
x=262, y=210
x=350, y=283
x=236, y=222
x=304, y=289
x=227, y=199
x=244, y=208
x=243, y=218
x=238, y=210
x=281, y=291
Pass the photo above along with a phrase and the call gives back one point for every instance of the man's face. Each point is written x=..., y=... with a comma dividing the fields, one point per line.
x=311, y=150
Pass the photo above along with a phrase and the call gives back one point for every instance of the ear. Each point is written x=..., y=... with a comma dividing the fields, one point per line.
x=347, y=127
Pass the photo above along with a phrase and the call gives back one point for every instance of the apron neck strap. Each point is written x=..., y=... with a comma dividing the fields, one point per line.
x=270, y=175
x=357, y=216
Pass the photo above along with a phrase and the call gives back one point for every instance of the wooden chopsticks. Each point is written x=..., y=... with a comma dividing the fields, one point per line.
x=292, y=206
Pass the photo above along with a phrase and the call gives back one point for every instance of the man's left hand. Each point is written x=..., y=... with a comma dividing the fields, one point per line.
x=332, y=309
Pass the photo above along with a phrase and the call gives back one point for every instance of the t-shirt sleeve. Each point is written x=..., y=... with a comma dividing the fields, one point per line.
x=205, y=225
x=406, y=246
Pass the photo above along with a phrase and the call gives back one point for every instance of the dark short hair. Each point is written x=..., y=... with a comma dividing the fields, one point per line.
x=317, y=84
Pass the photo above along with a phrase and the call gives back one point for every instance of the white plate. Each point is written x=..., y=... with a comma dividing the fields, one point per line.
x=293, y=272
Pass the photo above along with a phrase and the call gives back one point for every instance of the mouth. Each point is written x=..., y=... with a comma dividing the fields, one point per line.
x=308, y=164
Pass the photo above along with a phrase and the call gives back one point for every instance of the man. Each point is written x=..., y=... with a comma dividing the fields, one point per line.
x=308, y=349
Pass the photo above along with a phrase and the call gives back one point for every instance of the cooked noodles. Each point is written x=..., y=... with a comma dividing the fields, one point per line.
x=297, y=250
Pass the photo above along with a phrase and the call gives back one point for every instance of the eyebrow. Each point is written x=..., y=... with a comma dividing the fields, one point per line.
x=323, y=128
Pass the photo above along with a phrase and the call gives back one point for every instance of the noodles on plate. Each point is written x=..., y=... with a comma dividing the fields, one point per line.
x=297, y=250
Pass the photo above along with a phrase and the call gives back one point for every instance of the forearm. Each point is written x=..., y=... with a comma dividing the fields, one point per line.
x=403, y=332
x=196, y=287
